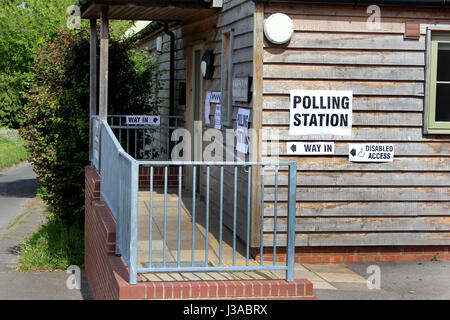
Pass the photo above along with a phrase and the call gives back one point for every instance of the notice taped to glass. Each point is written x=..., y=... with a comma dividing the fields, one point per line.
x=321, y=112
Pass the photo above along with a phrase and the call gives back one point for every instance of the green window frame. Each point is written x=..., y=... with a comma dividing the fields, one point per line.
x=435, y=39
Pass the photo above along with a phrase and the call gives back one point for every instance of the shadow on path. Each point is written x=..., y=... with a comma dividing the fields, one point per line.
x=25, y=188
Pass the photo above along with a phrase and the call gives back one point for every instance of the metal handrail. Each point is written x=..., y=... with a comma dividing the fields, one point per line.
x=119, y=189
x=146, y=141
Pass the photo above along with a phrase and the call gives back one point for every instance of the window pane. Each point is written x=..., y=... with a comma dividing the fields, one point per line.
x=443, y=73
x=442, y=102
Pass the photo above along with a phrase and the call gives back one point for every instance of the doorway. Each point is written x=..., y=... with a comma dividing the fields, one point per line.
x=194, y=110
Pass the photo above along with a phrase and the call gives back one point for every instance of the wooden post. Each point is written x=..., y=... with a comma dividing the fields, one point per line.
x=104, y=42
x=93, y=82
x=258, y=52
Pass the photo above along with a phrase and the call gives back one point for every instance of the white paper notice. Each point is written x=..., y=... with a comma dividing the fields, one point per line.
x=216, y=97
x=217, y=115
x=207, y=107
x=242, y=130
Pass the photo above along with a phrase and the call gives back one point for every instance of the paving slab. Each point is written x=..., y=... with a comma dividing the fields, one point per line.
x=41, y=286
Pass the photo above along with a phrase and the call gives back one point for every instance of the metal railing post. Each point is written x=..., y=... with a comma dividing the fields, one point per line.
x=134, y=222
x=292, y=186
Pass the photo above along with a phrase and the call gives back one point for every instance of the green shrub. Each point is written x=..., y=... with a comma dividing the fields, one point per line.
x=56, y=122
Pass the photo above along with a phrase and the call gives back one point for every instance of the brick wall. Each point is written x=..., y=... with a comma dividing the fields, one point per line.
x=99, y=239
x=108, y=274
x=359, y=254
x=158, y=177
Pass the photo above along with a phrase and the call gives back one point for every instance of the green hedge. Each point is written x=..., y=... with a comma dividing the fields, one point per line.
x=56, y=124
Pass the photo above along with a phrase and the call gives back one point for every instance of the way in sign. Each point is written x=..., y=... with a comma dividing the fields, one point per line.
x=310, y=148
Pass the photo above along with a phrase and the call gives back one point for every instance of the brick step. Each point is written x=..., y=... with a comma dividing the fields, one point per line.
x=300, y=289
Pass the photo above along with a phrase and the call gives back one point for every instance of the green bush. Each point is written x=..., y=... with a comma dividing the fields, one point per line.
x=56, y=121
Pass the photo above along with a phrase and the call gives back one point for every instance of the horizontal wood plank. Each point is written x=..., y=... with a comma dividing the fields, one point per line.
x=362, y=88
x=400, y=164
x=416, y=149
x=410, y=134
x=328, y=40
x=374, y=119
x=361, y=209
x=358, y=11
x=381, y=194
x=364, y=239
x=360, y=179
x=403, y=104
x=378, y=224
x=317, y=72
x=341, y=57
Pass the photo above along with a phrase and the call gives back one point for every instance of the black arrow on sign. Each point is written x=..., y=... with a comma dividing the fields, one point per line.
x=294, y=148
x=353, y=152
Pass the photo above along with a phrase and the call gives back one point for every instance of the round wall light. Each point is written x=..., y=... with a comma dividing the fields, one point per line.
x=207, y=65
x=278, y=28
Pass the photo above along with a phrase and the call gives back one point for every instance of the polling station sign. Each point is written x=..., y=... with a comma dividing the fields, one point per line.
x=242, y=138
x=321, y=112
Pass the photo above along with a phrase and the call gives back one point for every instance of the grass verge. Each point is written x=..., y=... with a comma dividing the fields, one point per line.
x=12, y=151
x=55, y=246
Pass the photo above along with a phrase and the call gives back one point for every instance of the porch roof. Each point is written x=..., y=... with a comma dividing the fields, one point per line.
x=424, y=3
x=154, y=10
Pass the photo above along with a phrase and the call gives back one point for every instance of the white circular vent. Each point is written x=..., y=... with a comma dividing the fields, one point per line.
x=278, y=28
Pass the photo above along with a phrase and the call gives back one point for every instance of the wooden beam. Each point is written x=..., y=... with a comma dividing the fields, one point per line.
x=104, y=42
x=257, y=122
x=93, y=99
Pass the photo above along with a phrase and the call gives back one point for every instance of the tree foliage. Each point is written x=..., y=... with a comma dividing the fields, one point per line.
x=57, y=117
x=25, y=26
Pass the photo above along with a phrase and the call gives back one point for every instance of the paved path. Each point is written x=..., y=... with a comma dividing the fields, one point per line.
x=21, y=215
x=428, y=280
x=17, y=186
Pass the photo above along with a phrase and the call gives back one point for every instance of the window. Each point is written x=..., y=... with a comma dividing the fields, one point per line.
x=226, y=78
x=438, y=77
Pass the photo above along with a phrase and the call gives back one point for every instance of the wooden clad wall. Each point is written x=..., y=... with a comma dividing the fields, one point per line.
x=340, y=203
x=238, y=16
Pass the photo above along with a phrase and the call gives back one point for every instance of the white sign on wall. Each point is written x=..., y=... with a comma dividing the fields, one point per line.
x=148, y=120
x=321, y=112
x=240, y=89
x=216, y=96
x=310, y=148
x=207, y=107
x=243, y=117
x=371, y=152
x=217, y=116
